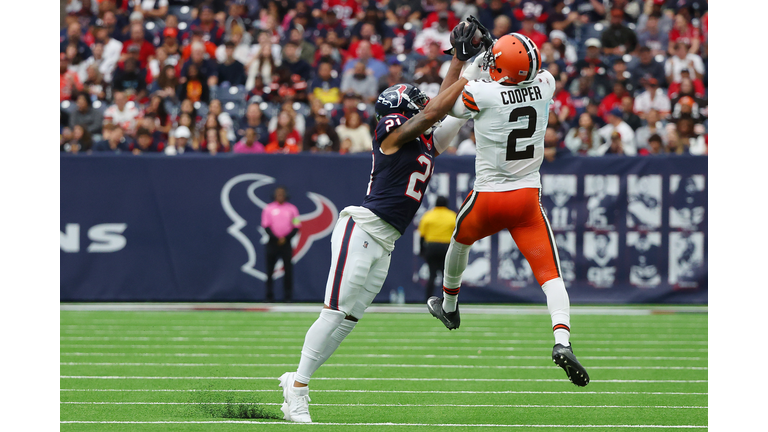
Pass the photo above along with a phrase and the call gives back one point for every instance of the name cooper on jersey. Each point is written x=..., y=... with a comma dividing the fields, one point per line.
x=520, y=95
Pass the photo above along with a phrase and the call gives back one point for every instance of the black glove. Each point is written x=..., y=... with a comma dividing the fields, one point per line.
x=461, y=41
x=487, y=38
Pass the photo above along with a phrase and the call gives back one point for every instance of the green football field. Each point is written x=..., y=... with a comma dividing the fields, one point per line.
x=218, y=370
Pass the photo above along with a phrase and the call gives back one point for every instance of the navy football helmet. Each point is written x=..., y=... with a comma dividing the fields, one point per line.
x=404, y=99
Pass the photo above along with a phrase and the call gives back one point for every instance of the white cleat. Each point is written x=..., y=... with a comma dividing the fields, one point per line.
x=295, y=407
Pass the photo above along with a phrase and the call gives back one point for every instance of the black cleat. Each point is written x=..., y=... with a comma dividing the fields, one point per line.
x=452, y=320
x=563, y=357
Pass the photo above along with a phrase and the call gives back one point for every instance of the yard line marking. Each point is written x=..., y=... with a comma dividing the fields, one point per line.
x=302, y=333
x=392, y=391
x=392, y=405
x=376, y=379
x=420, y=341
x=435, y=356
x=386, y=424
x=441, y=366
x=378, y=347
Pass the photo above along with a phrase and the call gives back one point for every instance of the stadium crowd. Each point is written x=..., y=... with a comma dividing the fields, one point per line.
x=286, y=76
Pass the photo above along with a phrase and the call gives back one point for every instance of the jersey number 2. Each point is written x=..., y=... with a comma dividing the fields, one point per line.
x=419, y=177
x=527, y=153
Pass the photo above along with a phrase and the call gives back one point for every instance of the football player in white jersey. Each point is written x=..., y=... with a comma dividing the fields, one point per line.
x=510, y=111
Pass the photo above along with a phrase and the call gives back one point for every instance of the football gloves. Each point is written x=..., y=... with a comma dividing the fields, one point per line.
x=462, y=36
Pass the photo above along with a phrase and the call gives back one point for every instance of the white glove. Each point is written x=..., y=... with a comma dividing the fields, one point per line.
x=473, y=70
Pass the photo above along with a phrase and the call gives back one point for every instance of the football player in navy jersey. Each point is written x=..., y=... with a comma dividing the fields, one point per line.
x=407, y=138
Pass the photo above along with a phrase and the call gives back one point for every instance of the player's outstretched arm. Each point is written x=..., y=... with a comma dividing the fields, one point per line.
x=434, y=112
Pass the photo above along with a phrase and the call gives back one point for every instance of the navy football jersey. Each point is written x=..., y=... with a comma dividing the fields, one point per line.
x=398, y=181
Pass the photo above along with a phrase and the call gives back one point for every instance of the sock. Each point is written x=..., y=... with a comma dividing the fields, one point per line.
x=455, y=263
x=341, y=332
x=315, y=342
x=559, y=307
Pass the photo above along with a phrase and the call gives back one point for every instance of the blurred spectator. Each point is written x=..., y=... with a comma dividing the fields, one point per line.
x=682, y=60
x=647, y=65
x=373, y=28
x=627, y=113
x=550, y=59
x=152, y=9
x=592, y=67
x=111, y=52
x=552, y=148
x=410, y=10
x=64, y=139
x=149, y=122
x=441, y=8
x=122, y=113
x=181, y=143
x=394, y=76
x=74, y=37
x=86, y=116
x=156, y=108
x=145, y=52
x=687, y=86
x=354, y=135
x=555, y=123
x=489, y=10
x=94, y=84
x=209, y=52
x=618, y=39
x=361, y=82
x=186, y=120
x=113, y=140
x=615, y=144
x=560, y=21
x=436, y=229
x=212, y=123
x=212, y=143
x=684, y=32
x=364, y=54
x=171, y=45
x=208, y=25
x=131, y=80
x=439, y=33
x=654, y=7
x=299, y=124
x=653, y=38
x=617, y=124
x=324, y=86
x=166, y=83
x=527, y=29
x=206, y=67
x=468, y=147
x=691, y=134
x=502, y=25
x=653, y=127
x=109, y=20
x=242, y=49
x=612, y=100
x=254, y=120
x=349, y=104
x=655, y=147
x=367, y=33
x=620, y=74
x=249, y=143
x=294, y=63
x=687, y=106
x=584, y=140
x=76, y=63
x=427, y=77
x=403, y=31
x=321, y=137
x=285, y=138
x=263, y=64
x=564, y=50
x=69, y=83
x=193, y=86
x=80, y=142
x=145, y=143
x=225, y=120
x=653, y=98
x=305, y=49
x=231, y=70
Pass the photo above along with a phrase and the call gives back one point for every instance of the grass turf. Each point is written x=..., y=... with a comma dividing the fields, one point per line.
x=191, y=369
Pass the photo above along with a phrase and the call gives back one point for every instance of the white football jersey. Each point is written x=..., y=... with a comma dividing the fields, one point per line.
x=510, y=122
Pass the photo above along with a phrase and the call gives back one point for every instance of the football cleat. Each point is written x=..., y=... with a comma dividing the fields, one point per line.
x=295, y=407
x=563, y=357
x=452, y=320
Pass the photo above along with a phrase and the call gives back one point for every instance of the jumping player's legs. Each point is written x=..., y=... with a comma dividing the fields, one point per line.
x=534, y=238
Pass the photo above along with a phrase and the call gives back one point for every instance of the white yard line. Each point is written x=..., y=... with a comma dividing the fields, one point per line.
x=547, y=426
x=377, y=308
x=108, y=377
x=374, y=365
x=377, y=348
x=352, y=341
x=391, y=405
x=396, y=391
x=423, y=356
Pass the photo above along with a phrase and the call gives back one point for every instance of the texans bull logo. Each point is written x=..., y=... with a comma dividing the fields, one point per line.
x=393, y=98
x=314, y=225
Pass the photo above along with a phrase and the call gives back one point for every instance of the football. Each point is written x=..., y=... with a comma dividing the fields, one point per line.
x=476, y=40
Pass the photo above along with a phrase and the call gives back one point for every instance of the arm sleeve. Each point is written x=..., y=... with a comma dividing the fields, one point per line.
x=295, y=221
x=444, y=135
x=466, y=106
